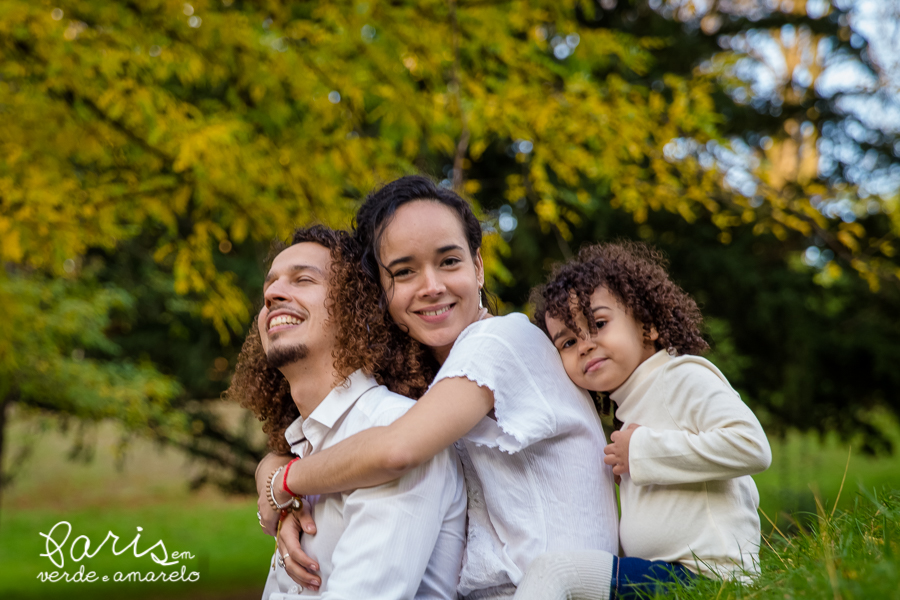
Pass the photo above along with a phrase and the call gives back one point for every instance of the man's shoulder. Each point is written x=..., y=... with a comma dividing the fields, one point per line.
x=379, y=406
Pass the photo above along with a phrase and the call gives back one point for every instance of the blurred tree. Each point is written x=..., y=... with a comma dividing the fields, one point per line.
x=153, y=149
x=809, y=189
x=55, y=355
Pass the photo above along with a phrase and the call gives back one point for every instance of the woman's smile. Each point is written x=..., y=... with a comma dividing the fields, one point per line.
x=435, y=314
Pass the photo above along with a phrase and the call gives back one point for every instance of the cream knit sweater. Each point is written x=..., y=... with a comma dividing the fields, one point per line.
x=688, y=497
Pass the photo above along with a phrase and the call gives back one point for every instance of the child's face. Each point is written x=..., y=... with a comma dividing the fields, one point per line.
x=603, y=361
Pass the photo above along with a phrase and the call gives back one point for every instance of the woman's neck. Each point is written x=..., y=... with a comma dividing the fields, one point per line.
x=441, y=354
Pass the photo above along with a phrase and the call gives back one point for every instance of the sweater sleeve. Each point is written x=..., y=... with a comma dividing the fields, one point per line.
x=717, y=436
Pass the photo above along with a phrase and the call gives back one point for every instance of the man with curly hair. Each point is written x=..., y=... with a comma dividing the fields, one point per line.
x=403, y=539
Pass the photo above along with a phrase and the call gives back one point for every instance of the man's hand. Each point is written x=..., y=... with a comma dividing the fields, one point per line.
x=617, y=452
x=298, y=565
x=268, y=515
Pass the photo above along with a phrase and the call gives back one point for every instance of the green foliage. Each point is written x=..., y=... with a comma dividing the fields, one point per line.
x=54, y=353
x=221, y=124
x=150, y=151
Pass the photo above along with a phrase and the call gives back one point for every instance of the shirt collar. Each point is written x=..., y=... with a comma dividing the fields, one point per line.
x=334, y=406
x=640, y=374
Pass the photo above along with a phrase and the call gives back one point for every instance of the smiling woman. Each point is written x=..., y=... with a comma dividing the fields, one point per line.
x=431, y=277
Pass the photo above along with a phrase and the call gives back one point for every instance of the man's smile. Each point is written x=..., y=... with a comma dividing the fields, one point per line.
x=282, y=320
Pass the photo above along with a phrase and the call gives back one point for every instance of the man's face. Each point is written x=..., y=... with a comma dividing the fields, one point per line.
x=294, y=323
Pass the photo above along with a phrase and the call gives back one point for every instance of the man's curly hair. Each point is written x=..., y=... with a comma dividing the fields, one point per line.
x=366, y=338
x=635, y=274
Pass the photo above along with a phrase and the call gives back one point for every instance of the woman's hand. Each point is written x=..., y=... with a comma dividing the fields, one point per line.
x=268, y=516
x=617, y=452
x=297, y=564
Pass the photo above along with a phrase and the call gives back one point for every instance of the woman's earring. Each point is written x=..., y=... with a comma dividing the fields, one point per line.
x=480, y=300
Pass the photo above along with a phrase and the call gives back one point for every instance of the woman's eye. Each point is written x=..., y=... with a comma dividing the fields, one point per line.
x=401, y=273
x=451, y=261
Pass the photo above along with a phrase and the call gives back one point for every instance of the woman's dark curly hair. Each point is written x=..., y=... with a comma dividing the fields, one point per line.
x=635, y=274
x=365, y=339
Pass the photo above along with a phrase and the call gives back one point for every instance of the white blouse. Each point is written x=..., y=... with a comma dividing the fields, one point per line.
x=535, y=476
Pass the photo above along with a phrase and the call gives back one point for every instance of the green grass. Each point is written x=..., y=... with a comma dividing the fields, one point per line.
x=806, y=465
x=811, y=554
x=230, y=553
x=148, y=487
x=851, y=554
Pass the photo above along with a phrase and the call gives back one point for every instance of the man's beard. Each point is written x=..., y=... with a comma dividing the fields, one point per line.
x=281, y=356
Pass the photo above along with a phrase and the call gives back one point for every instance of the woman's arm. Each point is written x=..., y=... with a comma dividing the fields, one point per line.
x=381, y=454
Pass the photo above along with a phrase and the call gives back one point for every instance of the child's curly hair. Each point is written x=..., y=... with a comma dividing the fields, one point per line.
x=635, y=274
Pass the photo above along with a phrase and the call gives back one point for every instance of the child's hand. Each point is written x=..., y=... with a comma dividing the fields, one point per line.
x=617, y=451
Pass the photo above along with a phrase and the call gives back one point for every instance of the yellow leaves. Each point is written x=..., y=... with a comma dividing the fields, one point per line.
x=848, y=239
x=251, y=145
x=239, y=229
x=471, y=187
x=443, y=143
x=547, y=211
x=492, y=248
x=854, y=228
x=10, y=243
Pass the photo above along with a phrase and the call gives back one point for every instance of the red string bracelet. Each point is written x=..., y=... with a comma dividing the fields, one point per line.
x=284, y=484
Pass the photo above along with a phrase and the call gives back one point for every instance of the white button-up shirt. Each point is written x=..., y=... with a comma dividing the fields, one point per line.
x=403, y=539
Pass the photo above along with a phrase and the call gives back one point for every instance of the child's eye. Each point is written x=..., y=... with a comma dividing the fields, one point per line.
x=566, y=344
x=600, y=324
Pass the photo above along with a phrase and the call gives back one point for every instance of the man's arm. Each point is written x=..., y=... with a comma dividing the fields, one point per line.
x=380, y=454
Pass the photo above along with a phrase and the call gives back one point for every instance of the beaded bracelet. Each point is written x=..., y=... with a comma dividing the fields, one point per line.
x=294, y=502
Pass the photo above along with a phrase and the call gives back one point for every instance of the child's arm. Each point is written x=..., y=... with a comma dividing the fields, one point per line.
x=719, y=436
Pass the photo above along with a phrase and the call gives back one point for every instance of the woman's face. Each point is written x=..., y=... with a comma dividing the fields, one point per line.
x=431, y=279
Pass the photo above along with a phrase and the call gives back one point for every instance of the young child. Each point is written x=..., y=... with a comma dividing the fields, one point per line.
x=688, y=444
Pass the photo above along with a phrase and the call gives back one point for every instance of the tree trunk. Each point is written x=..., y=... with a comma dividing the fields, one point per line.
x=5, y=402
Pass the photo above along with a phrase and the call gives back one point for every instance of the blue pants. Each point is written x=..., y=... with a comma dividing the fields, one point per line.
x=636, y=578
